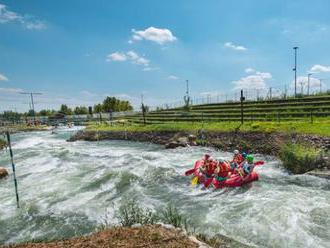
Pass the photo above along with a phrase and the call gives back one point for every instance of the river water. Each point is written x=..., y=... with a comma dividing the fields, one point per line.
x=69, y=189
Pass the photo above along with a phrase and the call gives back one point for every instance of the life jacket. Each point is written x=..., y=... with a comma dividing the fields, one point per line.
x=223, y=169
x=209, y=167
x=238, y=159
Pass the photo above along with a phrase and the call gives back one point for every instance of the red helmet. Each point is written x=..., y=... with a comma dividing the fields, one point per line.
x=207, y=156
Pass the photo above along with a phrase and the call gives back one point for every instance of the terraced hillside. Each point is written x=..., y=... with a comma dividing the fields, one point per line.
x=275, y=110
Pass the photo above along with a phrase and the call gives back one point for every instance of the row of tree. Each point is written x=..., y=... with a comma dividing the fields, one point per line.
x=109, y=104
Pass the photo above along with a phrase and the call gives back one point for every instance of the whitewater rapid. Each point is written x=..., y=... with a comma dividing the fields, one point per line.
x=68, y=189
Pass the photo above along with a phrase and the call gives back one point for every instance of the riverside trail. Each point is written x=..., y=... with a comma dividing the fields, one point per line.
x=69, y=188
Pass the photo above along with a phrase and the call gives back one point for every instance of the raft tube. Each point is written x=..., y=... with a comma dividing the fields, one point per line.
x=235, y=180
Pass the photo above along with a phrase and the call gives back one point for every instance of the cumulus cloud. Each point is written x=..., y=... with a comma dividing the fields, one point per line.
x=3, y=77
x=172, y=77
x=158, y=35
x=302, y=82
x=319, y=69
x=29, y=22
x=234, y=47
x=116, y=56
x=131, y=56
x=249, y=70
x=255, y=81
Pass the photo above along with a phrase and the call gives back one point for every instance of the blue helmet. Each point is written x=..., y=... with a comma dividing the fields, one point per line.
x=244, y=154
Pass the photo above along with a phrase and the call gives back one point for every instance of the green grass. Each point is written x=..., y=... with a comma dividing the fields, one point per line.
x=299, y=158
x=320, y=127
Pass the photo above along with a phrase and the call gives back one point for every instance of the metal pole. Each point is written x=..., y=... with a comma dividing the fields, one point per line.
x=308, y=82
x=13, y=166
x=295, y=71
x=242, y=99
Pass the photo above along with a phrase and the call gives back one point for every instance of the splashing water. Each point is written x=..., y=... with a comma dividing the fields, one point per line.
x=67, y=188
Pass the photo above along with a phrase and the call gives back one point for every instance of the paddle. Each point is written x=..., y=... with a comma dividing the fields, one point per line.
x=194, y=181
x=189, y=172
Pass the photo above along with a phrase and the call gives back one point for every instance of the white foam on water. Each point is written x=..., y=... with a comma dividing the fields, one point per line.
x=59, y=180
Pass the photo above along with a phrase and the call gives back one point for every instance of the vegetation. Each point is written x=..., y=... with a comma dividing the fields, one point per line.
x=131, y=213
x=3, y=144
x=298, y=158
x=320, y=127
x=113, y=104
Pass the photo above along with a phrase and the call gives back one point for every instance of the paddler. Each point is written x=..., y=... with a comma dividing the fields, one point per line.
x=208, y=166
x=247, y=166
x=223, y=170
x=237, y=160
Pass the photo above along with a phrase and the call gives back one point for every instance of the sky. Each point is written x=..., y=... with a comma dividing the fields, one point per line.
x=78, y=52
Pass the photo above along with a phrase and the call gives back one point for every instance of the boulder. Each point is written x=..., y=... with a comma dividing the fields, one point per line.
x=174, y=144
x=3, y=172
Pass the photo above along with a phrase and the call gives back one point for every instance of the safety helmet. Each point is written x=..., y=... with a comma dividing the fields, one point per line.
x=207, y=156
x=236, y=152
x=249, y=158
x=244, y=154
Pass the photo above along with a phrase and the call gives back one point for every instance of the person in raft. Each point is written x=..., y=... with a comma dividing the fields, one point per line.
x=248, y=165
x=223, y=170
x=237, y=160
x=208, y=167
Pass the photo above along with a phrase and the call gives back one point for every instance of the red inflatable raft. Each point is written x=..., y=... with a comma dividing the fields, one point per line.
x=235, y=180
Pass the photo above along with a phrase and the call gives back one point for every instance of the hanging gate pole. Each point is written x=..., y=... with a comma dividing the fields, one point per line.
x=13, y=166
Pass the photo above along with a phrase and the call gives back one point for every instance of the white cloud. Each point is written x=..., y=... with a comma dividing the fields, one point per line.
x=314, y=84
x=172, y=77
x=10, y=90
x=249, y=70
x=234, y=47
x=7, y=16
x=255, y=81
x=3, y=78
x=319, y=68
x=158, y=35
x=150, y=68
x=131, y=56
x=117, y=56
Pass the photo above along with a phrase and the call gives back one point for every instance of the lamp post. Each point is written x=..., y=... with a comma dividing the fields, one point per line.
x=295, y=70
x=308, y=82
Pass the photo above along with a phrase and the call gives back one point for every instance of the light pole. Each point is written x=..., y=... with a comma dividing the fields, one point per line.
x=308, y=82
x=32, y=103
x=295, y=70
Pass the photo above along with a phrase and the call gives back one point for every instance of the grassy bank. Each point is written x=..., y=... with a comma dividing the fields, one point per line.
x=321, y=128
x=299, y=158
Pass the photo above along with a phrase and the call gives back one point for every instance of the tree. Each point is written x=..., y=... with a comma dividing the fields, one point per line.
x=98, y=108
x=65, y=109
x=81, y=110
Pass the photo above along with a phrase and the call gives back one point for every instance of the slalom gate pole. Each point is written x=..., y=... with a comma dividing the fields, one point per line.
x=13, y=166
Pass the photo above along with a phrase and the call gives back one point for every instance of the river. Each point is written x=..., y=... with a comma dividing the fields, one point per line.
x=69, y=189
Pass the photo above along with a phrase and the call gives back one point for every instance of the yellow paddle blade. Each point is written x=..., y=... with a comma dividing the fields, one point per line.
x=194, y=181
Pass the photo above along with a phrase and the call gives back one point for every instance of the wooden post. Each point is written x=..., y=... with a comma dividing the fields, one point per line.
x=13, y=166
x=312, y=117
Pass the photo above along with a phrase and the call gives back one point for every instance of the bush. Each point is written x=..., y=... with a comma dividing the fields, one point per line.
x=3, y=144
x=130, y=213
x=299, y=158
x=171, y=215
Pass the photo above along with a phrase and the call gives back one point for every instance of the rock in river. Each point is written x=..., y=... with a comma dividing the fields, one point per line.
x=3, y=172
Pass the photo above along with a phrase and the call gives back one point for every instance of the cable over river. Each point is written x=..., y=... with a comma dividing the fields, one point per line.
x=68, y=189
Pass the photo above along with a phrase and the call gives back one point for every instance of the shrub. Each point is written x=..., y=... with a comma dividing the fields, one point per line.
x=130, y=213
x=3, y=144
x=298, y=158
x=171, y=215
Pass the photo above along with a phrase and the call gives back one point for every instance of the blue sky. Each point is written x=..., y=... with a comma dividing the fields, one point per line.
x=79, y=51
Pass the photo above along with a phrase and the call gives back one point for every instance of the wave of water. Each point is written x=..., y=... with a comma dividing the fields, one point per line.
x=66, y=189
